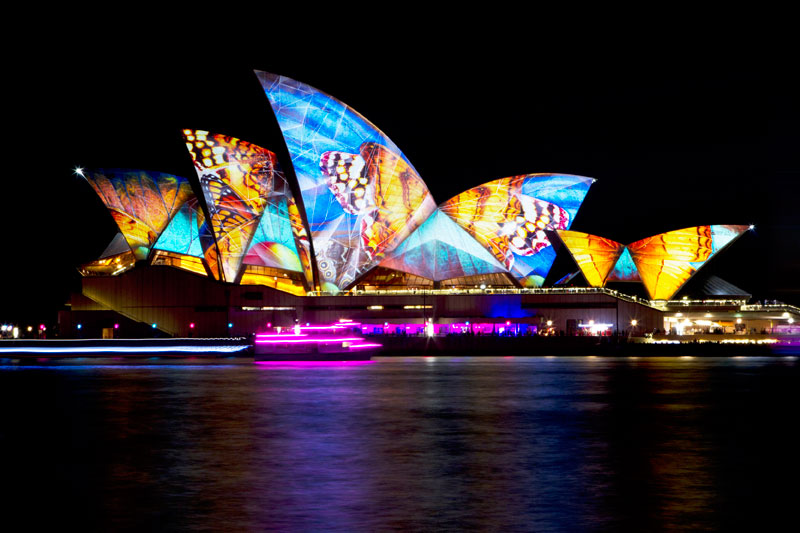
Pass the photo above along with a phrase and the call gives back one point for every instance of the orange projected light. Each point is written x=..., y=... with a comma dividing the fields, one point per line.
x=495, y=215
x=141, y=203
x=382, y=189
x=509, y=217
x=236, y=178
x=663, y=262
x=178, y=260
x=595, y=256
x=302, y=242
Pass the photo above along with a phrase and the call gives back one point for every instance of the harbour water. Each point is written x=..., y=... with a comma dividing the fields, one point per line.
x=412, y=444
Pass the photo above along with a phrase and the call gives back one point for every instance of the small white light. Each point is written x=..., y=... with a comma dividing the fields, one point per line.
x=79, y=172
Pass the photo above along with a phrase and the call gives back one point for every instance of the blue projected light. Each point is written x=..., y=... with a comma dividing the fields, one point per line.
x=361, y=194
x=510, y=216
x=182, y=233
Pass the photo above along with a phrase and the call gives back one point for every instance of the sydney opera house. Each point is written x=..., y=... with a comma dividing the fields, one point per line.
x=350, y=230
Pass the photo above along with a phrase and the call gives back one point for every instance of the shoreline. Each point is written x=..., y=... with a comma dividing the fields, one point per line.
x=457, y=346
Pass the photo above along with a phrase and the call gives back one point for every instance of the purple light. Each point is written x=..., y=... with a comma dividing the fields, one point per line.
x=313, y=363
x=280, y=335
x=367, y=345
x=125, y=349
x=326, y=327
x=309, y=340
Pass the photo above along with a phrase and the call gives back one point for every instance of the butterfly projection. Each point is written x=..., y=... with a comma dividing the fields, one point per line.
x=141, y=203
x=664, y=262
x=378, y=185
x=363, y=198
x=510, y=218
x=240, y=182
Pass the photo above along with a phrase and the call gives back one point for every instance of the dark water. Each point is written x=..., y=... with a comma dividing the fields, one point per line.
x=507, y=444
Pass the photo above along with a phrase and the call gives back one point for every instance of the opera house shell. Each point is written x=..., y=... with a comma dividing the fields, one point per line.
x=359, y=217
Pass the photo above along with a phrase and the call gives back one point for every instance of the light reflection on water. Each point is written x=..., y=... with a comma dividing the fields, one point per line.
x=543, y=444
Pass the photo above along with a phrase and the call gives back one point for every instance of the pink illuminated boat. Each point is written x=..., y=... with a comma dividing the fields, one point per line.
x=337, y=342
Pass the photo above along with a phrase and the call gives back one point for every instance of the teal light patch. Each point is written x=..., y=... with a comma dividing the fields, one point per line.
x=440, y=249
x=181, y=234
x=625, y=269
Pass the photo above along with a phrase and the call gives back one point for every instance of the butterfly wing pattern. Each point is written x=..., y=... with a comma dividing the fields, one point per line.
x=510, y=217
x=362, y=204
x=141, y=203
x=666, y=261
x=361, y=195
x=663, y=262
x=595, y=256
x=247, y=196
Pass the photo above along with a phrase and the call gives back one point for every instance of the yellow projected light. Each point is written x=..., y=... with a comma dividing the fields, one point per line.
x=663, y=262
x=236, y=178
x=595, y=256
x=141, y=203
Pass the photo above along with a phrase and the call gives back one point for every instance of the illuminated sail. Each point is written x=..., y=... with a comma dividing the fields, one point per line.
x=440, y=249
x=509, y=218
x=625, y=269
x=182, y=234
x=595, y=256
x=238, y=180
x=141, y=203
x=666, y=261
x=362, y=196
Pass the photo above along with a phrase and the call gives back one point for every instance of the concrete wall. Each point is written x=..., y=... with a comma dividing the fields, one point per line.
x=173, y=299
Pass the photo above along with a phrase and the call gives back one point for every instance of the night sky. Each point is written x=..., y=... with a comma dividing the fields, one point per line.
x=673, y=141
